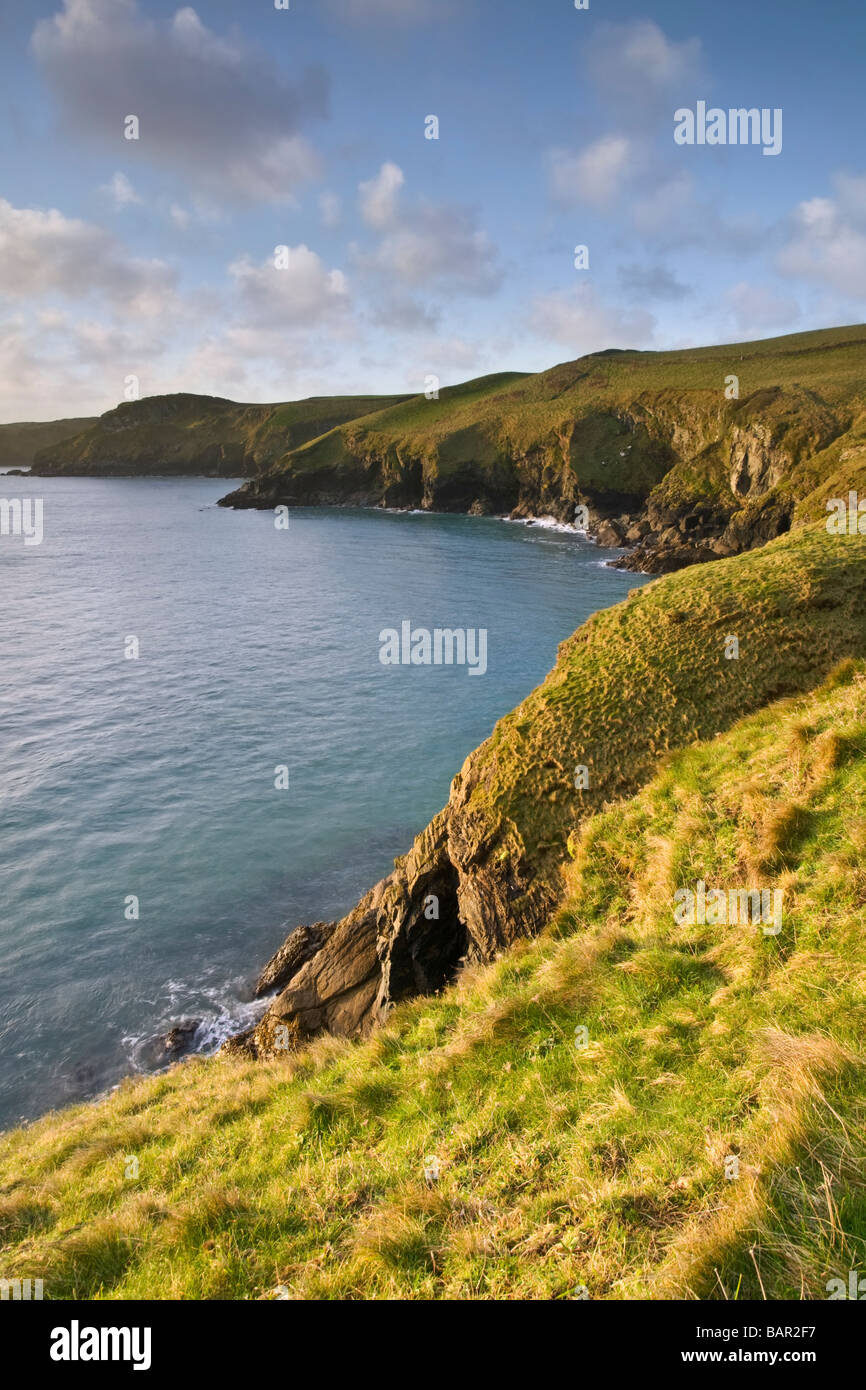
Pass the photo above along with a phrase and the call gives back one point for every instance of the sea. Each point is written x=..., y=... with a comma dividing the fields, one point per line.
x=200, y=746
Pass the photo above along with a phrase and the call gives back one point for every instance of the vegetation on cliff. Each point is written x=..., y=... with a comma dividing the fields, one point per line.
x=558, y=1164
x=689, y=455
x=684, y=456
x=19, y=443
x=634, y=683
x=183, y=433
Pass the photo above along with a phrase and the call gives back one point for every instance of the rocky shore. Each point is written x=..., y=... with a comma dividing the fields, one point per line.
x=635, y=682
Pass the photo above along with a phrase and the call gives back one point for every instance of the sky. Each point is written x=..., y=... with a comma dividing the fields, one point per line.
x=405, y=257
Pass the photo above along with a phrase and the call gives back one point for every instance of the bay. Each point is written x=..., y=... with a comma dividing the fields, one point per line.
x=153, y=778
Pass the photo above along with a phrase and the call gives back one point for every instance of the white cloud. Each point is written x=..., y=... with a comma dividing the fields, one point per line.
x=827, y=239
x=596, y=175
x=218, y=113
x=254, y=327
x=581, y=320
x=441, y=249
x=121, y=192
x=641, y=75
x=53, y=366
x=378, y=197
x=44, y=252
x=302, y=294
x=427, y=246
x=639, y=71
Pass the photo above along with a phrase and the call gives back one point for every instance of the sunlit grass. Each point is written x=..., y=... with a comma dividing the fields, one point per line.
x=561, y=1168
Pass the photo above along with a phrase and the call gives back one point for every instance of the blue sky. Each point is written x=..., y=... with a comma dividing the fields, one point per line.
x=406, y=256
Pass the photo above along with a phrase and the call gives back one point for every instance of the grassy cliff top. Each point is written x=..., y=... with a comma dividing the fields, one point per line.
x=813, y=383
x=653, y=674
x=561, y=1168
x=181, y=432
x=19, y=443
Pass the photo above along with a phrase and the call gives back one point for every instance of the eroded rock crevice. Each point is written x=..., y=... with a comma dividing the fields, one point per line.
x=408, y=936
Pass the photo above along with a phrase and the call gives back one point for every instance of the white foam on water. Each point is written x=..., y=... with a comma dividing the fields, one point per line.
x=545, y=523
x=221, y=1013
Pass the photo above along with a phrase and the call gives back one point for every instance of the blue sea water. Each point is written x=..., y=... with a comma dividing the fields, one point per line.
x=155, y=777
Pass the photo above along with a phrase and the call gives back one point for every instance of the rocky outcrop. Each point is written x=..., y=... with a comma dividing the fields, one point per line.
x=676, y=537
x=677, y=478
x=183, y=434
x=633, y=683
x=449, y=900
x=295, y=951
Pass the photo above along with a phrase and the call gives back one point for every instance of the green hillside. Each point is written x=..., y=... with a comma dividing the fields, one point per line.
x=649, y=442
x=569, y=1164
x=181, y=434
x=20, y=443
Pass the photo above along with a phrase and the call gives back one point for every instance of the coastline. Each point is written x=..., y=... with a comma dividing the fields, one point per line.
x=143, y=1036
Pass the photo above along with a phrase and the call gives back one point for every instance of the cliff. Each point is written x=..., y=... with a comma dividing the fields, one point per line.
x=630, y=686
x=204, y=435
x=20, y=443
x=621, y=1108
x=653, y=444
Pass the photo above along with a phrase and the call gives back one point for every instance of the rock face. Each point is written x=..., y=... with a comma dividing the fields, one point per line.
x=680, y=476
x=674, y=537
x=295, y=951
x=445, y=903
x=184, y=434
x=634, y=682
x=663, y=530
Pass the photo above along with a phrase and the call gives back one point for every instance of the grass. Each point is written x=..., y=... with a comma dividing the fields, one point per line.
x=649, y=676
x=183, y=433
x=562, y=1169
x=20, y=442
x=632, y=424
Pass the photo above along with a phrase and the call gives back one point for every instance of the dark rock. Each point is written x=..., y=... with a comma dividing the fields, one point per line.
x=610, y=534
x=179, y=1038
x=664, y=559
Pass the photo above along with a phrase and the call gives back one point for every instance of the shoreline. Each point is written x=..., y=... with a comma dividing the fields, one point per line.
x=242, y=1010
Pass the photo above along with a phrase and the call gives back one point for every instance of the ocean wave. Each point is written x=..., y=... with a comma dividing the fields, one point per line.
x=217, y=1011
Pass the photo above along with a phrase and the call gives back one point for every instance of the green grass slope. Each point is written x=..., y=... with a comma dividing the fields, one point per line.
x=185, y=433
x=649, y=435
x=394, y=455
x=563, y=1170
x=20, y=443
x=605, y=1167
